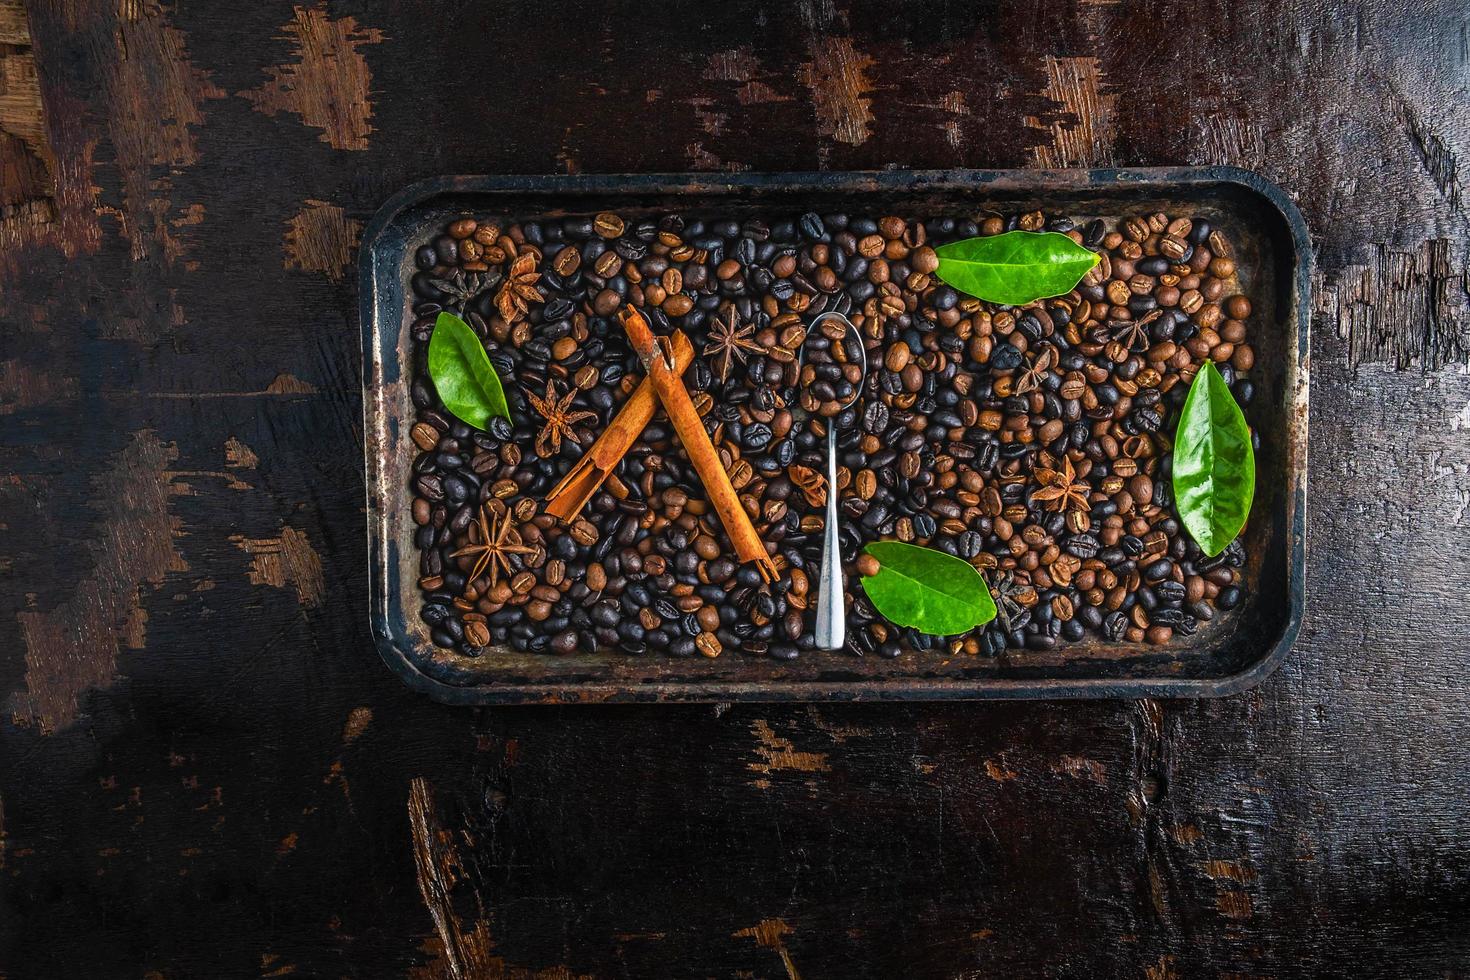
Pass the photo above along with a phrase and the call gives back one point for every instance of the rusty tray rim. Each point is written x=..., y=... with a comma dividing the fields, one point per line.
x=388, y=620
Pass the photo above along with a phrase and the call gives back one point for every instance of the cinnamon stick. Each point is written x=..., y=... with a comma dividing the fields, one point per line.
x=685, y=417
x=573, y=491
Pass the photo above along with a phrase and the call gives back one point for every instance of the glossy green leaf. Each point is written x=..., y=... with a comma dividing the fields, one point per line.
x=1015, y=268
x=1214, y=465
x=929, y=590
x=463, y=375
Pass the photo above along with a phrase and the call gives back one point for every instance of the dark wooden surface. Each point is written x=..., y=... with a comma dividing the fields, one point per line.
x=205, y=770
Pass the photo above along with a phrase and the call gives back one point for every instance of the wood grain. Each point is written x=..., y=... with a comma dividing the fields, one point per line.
x=204, y=767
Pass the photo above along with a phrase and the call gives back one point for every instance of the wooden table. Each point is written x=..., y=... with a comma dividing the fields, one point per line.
x=205, y=770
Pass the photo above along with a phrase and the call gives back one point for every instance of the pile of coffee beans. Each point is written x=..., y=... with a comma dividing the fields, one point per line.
x=1033, y=442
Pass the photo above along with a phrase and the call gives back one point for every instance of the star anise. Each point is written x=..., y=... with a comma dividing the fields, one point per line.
x=729, y=341
x=1035, y=374
x=1012, y=598
x=460, y=287
x=519, y=290
x=812, y=484
x=498, y=541
x=1060, y=489
x=560, y=418
x=1133, y=334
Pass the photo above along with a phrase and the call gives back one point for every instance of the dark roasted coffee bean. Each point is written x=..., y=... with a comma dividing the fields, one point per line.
x=1006, y=358
x=1170, y=591
x=1081, y=545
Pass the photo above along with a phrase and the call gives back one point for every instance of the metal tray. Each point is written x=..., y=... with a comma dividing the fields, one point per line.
x=1235, y=652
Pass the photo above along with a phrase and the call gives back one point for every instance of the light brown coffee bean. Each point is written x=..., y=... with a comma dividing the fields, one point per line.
x=425, y=436
x=584, y=532
x=608, y=225
x=567, y=261
x=897, y=357
x=476, y=634
x=924, y=260
x=606, y=302
x=708, y=645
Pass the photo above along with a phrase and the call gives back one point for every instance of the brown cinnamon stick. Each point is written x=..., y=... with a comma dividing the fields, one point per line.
x=573, y=491
x=685, y=417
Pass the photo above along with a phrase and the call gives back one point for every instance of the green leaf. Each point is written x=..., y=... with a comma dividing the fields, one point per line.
x=1015, y=268
x=933, y=592
x=1214, y=465
x=463, y=375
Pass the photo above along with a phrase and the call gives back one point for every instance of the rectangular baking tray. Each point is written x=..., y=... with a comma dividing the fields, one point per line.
x=1235, y=652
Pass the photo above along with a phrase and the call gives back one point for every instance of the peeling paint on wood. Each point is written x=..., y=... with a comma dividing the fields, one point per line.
x=26, y=159
x=156, y=96
x=1163, y=969
x=285, y=560
x=468, y=950
x=778, y=754
x=1231, y=870
x=1088, y=769
x=14, y=28
x=771, y=934
x=357, y=723
x=74, y=646
x=1404, y=308
x=1234, y=904
x=321, y=238
x=742, y=66
x=953, y=103
x=329, y=83
x=1081, y=133
x=240, y=456
x=837, y=77
x=289, y=384
x=999, y=771
x=22, y=387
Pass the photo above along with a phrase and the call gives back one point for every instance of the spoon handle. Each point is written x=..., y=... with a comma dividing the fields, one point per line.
x=831, y=623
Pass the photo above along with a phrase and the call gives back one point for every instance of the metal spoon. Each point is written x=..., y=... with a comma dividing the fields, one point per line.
x=831, y=619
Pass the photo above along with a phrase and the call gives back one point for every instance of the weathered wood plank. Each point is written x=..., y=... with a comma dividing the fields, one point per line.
x=205, y=769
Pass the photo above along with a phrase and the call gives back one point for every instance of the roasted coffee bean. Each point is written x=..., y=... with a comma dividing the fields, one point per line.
x=608, y=225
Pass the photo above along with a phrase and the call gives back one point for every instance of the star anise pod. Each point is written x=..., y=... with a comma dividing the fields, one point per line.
x=462, y=287
x=1035, y=374
x=812, y=484
x=1060, y=489
x=498, y=541
x=1132, y=334
x=729, y=341
x=519, y=290
x=1012, y=598
x=560, y=418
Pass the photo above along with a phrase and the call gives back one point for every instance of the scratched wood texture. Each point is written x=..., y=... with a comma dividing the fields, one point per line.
x=206, y=771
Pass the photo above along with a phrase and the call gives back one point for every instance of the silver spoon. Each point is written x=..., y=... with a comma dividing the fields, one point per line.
x=831, y=617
